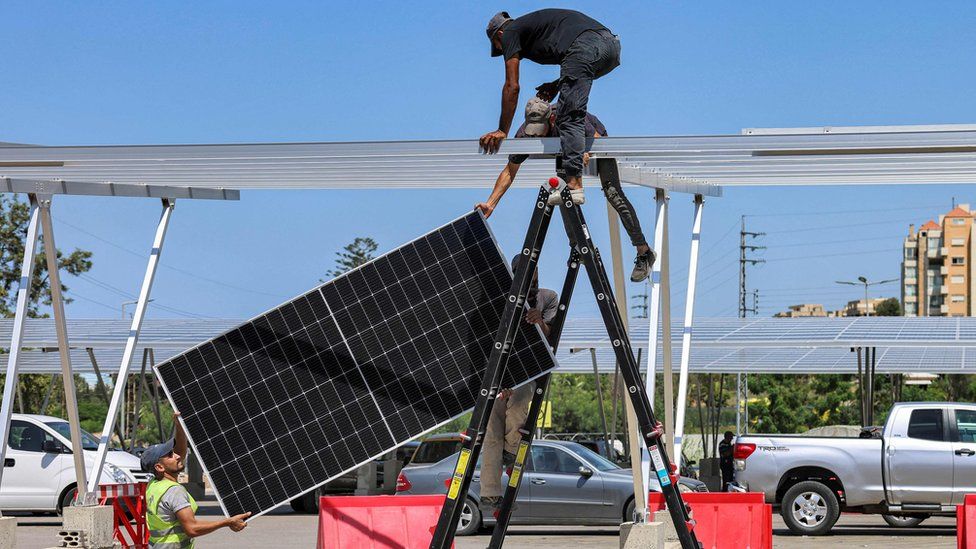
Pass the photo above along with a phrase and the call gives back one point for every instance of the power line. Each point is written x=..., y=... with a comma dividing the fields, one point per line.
x=827, y=227
x=802, y=257
x=839, y=212
x=118, y=291
x=176, y=269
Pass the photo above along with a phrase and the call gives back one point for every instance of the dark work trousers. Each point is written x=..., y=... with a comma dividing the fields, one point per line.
x=610, y=181
x=728, y=475
x=592, y=55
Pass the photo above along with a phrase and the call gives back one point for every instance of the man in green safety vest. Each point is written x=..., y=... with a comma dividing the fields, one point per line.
x=170, y=510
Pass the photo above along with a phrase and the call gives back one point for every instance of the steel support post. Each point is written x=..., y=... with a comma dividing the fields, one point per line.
x=679, y=424
x=155, y=389
x=17, y=337
x=100, y=384
x=664, y=258
x=599, y=404
x=620, y=288
x=61, y=326
x=659, y=310
x=47, y=395
x=650, y=428
x=118, y=392
x=140, y=383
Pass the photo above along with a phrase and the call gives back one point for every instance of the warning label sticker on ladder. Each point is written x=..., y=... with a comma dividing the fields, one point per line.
x=662, y=473
x=462, y=464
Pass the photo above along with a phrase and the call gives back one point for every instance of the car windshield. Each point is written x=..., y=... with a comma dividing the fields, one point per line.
x=601, y=463
x=88, y=441
x=432, y=451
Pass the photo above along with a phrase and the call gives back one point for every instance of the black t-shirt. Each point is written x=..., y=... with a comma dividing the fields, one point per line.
x=592, y=126
x=544, y=36
x=725, y=454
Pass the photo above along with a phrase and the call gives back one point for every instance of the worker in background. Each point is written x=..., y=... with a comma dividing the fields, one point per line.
x=541, y=121
x=170, y=510
x=583, y=48
x=511, y=407
x=725, y=461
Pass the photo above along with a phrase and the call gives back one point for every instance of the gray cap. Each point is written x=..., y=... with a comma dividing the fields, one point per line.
x=154, y=453
x=494, y=25
x=537, y=112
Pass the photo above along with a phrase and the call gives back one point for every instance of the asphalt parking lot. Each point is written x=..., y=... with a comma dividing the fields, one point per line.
x=283, y=528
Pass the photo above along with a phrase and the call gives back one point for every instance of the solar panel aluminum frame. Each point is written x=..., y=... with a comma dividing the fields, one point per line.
x=193, y=443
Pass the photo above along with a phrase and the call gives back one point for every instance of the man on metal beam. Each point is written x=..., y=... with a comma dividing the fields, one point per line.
x=508, y=414
x=170, y=509
x=541, y=121
x=583, y=48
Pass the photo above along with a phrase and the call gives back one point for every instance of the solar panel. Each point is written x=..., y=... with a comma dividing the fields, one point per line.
x=350, y=370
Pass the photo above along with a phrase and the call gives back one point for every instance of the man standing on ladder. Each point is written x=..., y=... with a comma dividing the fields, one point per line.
x=583, y=48
x=170, y=509
x=510, y=409
x=540, y=121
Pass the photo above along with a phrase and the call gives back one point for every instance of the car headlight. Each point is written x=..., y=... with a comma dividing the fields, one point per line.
x=116, y=474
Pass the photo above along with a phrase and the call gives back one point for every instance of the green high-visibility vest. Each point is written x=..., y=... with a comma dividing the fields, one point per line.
x=165, y=534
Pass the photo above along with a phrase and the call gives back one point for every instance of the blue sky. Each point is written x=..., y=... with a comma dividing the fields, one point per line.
x=168, y=72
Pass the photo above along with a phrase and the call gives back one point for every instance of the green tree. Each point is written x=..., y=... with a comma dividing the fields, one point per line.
x=354, y=254
x=888, y=307
x=14, y=218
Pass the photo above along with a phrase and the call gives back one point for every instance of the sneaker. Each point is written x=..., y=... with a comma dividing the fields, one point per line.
x=642, y=266
x=555, y=197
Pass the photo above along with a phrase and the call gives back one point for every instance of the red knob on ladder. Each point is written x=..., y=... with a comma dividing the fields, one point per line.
x=553, y=182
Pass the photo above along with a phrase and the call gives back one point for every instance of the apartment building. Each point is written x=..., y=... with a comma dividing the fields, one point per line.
x=937, y=266
x=803, y=310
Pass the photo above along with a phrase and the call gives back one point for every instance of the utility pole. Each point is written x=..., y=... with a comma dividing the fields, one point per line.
x=742, y=381
x=642, y=306
x=744, y=259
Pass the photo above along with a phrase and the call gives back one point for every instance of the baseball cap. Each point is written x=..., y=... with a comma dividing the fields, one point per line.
x=537, y=113
x=494, y=24
x=154, y=453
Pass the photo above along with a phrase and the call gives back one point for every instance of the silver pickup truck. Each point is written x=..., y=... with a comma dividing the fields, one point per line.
x=923, y=464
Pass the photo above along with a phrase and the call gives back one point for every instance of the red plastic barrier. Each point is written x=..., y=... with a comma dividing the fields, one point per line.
x=378, y=522
x=966, y=523
x=129, y=507
x=727, y=520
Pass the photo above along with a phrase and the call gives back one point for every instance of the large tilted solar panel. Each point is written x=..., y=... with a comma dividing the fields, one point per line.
x=352, y=369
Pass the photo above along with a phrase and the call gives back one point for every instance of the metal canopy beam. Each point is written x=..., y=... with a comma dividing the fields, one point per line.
x=58, y=186
x=791, y=156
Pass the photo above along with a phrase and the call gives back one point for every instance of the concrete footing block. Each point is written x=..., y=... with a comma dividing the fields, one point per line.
x=642, y=535
x=8, y=532
x=97, y=523
x=667, y=526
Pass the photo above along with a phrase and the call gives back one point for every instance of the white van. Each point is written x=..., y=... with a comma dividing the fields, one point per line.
x=39, y=473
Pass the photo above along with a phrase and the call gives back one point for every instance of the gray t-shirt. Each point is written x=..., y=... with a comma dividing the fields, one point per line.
x=175, y=498
x=591, y=126
x=547, y=302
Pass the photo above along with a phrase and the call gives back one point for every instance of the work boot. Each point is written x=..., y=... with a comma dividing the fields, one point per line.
x=642, y=266
x=555, y=199
x=491, y=502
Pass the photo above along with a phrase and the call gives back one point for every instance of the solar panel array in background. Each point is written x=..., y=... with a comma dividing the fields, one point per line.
x=350, y=370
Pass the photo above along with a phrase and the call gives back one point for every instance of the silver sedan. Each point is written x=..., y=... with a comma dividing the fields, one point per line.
x=565, y=483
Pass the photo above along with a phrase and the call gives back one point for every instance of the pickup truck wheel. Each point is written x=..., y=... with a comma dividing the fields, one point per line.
x=470, y=520
x=897, y=521
x=810, y=508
